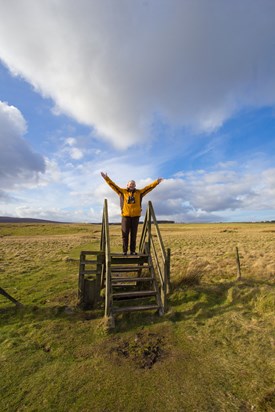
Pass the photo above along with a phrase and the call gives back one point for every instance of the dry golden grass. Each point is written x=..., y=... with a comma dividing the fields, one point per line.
x=212, y=247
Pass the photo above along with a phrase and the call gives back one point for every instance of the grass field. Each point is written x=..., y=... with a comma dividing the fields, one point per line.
x=212, y=351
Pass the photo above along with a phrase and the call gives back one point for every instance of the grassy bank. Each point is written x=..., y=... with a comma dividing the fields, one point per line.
x=212, y=351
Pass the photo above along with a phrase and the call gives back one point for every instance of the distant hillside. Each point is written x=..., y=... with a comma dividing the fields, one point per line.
x=8, y=219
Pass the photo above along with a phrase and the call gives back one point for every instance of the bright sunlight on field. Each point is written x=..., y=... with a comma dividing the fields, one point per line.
x=213, y=350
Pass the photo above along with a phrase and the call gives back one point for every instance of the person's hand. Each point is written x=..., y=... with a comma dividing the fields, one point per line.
x=104, y=175
x=160, y=179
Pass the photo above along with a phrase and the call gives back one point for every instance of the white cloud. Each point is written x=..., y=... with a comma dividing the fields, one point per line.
x=114, y=64
x=19, y=164
x=76, y=153
x=203, y=195
x=12, y=121
x=71, y=141
x=77, y=193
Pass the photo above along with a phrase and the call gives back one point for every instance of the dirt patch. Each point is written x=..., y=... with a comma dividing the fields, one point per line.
x=144, y=349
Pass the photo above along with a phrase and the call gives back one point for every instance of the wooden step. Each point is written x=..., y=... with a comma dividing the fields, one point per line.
x=91, y=252
x=129, y=268
x=128, y=255
x=131, y=279
x=89, y=262
x=134, y=308
x=88, y=272
x=134, y=294
x=129, y=259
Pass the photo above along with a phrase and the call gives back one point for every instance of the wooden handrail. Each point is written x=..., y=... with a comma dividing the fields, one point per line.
x=158, y=231
x=105, y=244
x=144, y=232
x=162, y=262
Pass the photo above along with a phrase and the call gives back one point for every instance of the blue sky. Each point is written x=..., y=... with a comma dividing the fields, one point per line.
x=181, y=90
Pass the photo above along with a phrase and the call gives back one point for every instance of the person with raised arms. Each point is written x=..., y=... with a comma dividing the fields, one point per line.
x=130, y=203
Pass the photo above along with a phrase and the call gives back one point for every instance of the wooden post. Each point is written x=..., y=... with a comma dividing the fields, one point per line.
x=149, y=229
x=90, y=293
x=168, y=258
x=81, y=279
x=8, y=296
x=239, y=276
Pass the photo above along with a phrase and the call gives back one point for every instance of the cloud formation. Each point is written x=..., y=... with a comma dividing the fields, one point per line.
x=205, y=195
x=76, y=193
x=19, y=164
x=115, y=65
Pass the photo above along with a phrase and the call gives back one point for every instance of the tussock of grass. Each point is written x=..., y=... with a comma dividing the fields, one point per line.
x=212, y=351
x=265, y=302
x=193, y=273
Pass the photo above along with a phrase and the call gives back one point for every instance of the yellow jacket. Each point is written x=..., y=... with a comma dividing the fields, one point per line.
x=130, y=201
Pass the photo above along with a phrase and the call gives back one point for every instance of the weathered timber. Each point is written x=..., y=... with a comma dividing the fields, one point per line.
x=134, y=294
x=8, y=296
x=239, y=275
x=89, y=281
x=135, y=308
x=132, y=279
x=129, y=268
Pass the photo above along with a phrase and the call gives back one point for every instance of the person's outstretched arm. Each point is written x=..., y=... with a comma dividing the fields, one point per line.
x=112, y=184
x=150, y=187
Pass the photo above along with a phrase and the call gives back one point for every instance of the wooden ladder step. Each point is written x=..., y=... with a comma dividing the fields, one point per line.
x=134, y=308
x=131, y=279
x=88, y=272
x=130, y=259
x=128, y=255
x=91, y=253
x=134, y=294
x=129, y=268
x=88, y=262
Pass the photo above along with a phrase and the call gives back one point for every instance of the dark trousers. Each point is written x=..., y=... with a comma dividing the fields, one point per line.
x=129, y=226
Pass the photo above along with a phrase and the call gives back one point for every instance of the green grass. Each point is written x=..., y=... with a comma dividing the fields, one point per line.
x=213, y=350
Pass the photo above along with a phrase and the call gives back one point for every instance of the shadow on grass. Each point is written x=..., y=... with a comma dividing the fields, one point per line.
x=198, y=302
x=208, y=300
x=12, y=314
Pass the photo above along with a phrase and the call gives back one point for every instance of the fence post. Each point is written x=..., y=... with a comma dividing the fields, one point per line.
x=239, y=275
x=81, y=280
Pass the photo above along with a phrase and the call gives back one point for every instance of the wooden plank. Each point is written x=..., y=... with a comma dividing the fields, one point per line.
x=129, y=268
x=91, y=252
x=167, y=270
x=81, y=284
x=88, y=272
x=134, y=308
x=114, y=254
x=132, y=279
x=135, y=294
x=108, y=298
x=88, y=262
x=126, y=263
x=11, y=298
x=123, y=260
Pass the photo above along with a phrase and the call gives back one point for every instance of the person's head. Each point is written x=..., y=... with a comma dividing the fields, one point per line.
x=131, y=185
